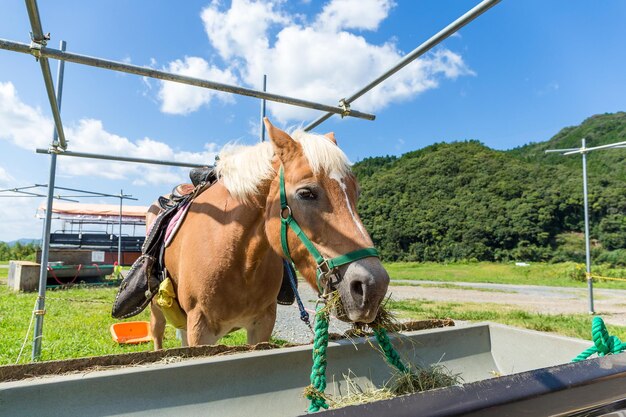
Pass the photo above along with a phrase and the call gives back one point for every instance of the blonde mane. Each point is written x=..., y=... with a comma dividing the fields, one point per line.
x=243, y=168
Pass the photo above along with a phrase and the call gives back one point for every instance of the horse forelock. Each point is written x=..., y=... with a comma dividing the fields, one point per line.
x=243, y=168
x=322, y=154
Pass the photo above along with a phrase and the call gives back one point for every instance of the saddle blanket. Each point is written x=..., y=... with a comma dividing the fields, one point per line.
x=175, y=222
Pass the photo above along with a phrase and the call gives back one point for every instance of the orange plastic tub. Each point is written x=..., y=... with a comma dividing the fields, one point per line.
x=131, y=332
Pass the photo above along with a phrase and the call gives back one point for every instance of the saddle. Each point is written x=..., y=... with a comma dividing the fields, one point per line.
x=142, y=282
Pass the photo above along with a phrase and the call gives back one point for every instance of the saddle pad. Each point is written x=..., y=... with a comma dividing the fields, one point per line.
x=175, y=222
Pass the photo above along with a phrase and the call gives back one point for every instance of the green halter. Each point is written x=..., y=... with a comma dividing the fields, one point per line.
x=324, y=266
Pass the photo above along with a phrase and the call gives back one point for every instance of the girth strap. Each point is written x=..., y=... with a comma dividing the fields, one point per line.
x=324, y=266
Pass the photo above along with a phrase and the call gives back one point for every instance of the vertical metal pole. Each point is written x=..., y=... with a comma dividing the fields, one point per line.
x=45, y=239
x=587, y=246
x=262, y=133
x=119, y=238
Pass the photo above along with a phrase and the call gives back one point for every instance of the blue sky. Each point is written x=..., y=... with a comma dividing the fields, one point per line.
x=517, y=74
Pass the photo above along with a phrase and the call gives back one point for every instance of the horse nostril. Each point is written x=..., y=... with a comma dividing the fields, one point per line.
x=357, y=288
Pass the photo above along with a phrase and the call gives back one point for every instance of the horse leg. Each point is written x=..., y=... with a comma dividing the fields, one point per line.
x=157, y=326
x=198, y=330
x=182, y=335
x=260, y=330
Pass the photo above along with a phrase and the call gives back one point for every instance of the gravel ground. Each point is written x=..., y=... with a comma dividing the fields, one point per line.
x=289, y=326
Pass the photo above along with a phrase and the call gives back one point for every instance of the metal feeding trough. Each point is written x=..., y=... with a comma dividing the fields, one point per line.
x=499, y=365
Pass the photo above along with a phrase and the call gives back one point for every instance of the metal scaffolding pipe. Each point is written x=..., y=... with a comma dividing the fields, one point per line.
x=119, y=235
x=45, y=238
x=584, y=150
x=262, y=125
x=93, y=193
x=123, y=158
x=46, y=52
x=39, y=41
x=29, y=194
x=416, y=53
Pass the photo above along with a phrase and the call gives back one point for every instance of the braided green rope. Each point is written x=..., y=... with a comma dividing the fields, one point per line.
x=315, y=391
x=604, y=344
x=391, y=355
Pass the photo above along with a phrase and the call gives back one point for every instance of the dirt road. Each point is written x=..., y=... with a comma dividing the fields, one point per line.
x=610, y=304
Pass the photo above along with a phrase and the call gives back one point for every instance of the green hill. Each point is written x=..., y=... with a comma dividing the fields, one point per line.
x=463, y=200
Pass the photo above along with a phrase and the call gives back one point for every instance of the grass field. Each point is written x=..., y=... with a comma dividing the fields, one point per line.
x=76, y=324
x=499, y=273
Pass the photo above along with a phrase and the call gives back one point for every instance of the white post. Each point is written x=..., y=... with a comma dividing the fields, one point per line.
x=587, y=246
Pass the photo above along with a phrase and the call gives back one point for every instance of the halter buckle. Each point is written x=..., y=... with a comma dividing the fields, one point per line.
x=282, y=212
x=324, y=268
x=323, y=276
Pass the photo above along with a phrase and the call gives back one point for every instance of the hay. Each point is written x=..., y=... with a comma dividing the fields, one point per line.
x=423, y=379
x=356, y=394
x=417, y=380
x=384, y=318
x=334, y=305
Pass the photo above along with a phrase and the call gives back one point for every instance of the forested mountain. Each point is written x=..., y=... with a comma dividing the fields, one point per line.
x=463, y=200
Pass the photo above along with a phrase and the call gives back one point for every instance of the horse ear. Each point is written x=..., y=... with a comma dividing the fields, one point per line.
x=282, y=143
x=331, y=136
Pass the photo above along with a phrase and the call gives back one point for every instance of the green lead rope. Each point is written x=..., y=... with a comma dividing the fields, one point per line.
x=603, y=343
x=315, y=391
x=391, y=355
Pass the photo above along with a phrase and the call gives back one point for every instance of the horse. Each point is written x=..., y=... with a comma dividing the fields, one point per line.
x=225, y=260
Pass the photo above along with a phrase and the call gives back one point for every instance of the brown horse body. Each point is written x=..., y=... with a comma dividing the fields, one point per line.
x=225, y=260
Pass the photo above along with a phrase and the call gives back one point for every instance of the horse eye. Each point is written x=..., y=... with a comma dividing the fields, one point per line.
x=306, y=194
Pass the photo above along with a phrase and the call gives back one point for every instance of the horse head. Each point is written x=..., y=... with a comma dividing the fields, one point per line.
x=320, y=194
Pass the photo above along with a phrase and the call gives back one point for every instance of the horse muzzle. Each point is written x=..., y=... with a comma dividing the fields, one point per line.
x=362, y=288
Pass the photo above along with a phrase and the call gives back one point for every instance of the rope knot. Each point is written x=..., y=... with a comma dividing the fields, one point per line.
x=603, y=343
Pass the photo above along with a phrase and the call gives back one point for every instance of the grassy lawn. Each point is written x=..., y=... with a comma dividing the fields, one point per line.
x=499, y=273
x=76, y=325
x=574, y=325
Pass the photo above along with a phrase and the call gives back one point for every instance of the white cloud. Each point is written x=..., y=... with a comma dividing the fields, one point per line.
x=178, y=98
x=21, y=124
x=17, y=217
x=5, y=178
x=28, y=128
x=320, y=61
x=353, y=14
x=242, y=29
